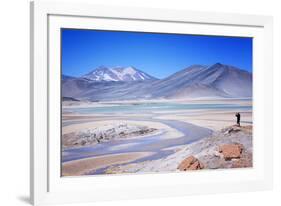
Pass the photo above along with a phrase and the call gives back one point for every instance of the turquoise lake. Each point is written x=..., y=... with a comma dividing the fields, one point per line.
x=146, y=107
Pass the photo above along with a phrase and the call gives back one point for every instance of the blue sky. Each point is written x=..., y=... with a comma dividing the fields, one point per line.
x=159, y=55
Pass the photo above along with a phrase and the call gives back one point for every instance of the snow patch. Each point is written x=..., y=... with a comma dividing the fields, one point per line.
x=116, y=74
x=106, y=77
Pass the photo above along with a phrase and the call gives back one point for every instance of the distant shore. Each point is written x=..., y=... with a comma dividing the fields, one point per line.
x=83, y=104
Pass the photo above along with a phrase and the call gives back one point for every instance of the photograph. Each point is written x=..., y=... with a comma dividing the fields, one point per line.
x=137, y=102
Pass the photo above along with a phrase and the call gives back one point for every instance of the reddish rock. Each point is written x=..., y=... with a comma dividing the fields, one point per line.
x=246, y=160
x=242, y=163
x=231, y=151
x=190, y=163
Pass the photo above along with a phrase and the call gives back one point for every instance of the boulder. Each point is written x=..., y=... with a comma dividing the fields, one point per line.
x=190, y=163
x=231, y=151
x=246, y=160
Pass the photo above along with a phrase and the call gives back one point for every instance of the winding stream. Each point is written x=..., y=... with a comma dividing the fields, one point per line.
x=153, y=143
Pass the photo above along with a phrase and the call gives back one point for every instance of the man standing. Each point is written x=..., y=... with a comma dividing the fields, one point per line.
x=238, y=118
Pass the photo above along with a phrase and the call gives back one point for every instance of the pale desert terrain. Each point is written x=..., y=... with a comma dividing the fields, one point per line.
x=154, y=136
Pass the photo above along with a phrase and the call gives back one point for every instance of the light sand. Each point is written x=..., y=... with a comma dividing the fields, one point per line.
x=212, y=119
x=84, y=166
x=215, y=120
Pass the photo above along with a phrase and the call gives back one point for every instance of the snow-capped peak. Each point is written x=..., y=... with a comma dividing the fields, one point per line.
x=117, y=74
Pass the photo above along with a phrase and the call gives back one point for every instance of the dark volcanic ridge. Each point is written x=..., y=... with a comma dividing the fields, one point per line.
x=128, y=83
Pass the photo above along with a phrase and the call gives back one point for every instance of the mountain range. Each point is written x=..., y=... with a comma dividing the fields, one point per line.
x=127, y=83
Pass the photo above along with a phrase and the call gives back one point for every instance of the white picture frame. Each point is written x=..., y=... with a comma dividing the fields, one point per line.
x=46, y=184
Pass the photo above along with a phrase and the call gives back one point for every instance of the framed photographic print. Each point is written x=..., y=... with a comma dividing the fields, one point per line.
x=127, y=105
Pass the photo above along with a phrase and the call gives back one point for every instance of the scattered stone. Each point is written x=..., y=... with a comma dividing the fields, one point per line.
x=104, y=134
x=205, y=150
x=190, y=163
x=231, y=151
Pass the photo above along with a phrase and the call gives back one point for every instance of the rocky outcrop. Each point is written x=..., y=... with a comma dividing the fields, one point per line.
x=229, y=148
x=235, y=129
x=203, y=154
x=231, y=151
x=190, y=163
x=104, y=134
x=244, y=161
